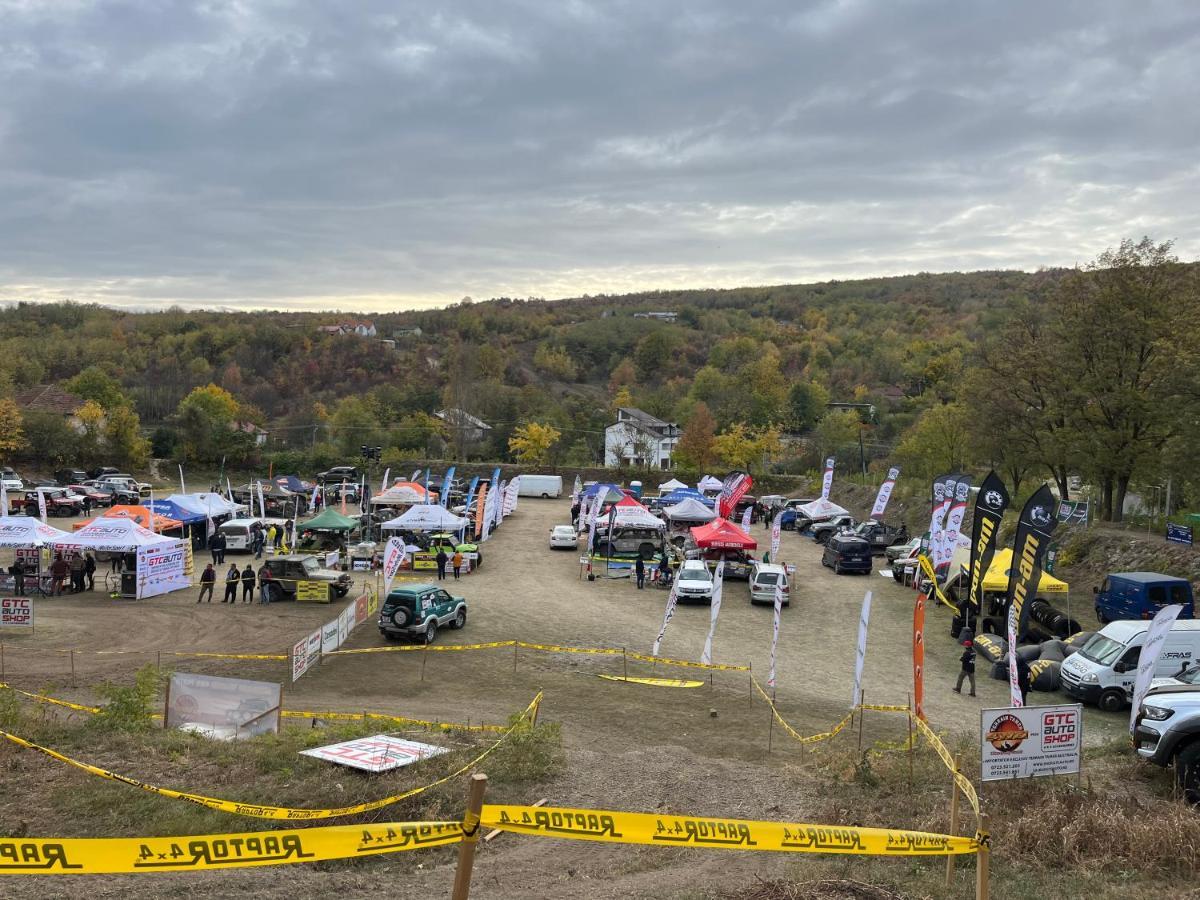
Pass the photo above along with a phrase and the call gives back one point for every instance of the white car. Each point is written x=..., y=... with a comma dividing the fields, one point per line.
x=11, y=480
x=563, y=537
x=694, y=582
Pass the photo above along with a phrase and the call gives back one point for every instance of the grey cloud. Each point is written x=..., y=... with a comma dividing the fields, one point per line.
x=384, y=154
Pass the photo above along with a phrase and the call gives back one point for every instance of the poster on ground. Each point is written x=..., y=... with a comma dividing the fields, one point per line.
x=16, y=612
x=379, y=753
x=1031, y=741
x=223, y=708
x=305, y=653
x=162, y=568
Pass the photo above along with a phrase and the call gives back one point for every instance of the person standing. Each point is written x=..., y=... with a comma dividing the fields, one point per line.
x=208, y=578
x=967, y=672
x=258, y=542
x=287, y=532
x=214, y=547
x=17, y=570
x=89, y=571
x=114, y=563
x=76, y=566
x=639, y=569
x=456, y=561
x=248, y=583
x=232, y=579
x=58, y=574
x=87, y=504
x=273, y=536
x=264, y=584
x=441, y=563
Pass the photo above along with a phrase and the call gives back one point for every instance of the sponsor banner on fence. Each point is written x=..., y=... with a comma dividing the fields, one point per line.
x=312, y=592
x=360, y=609
x=719, y=833
x=161, y=568
x=1030, y=741
x=345, y=622
x=305, y=654
x=16, y=612
x=330, y=636
x=226, y=708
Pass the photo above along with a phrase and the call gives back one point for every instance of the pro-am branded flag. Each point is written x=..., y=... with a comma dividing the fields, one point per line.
x=954, y=520
x=776, y=530
x=989, y=510
x=672, y=600
x=41, y=495
x=718, y=585
x=939, y=546
x=746, y=518
x=415, y=475
x=444, y=499
x=384, y=484
x=471, y=496
x=576, y=489
x=393, y=558
x=312, y=502
x=936, y=512
x=262, y=501
x=885, y=493
x=734, y=487
x=1156, y=634
x=860, y=650
x=511, y=496
x=775, y=630
x=827, y=478
x=1034, y=529
x=594, y=512
x=1014, y=683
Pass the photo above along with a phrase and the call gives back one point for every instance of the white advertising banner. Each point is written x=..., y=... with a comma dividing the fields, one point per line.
x=715, y=610
x=162, y=568
x=954, y=520
x=16, y=612
x=345, y=624
x=510, y=496
x=305, y=653
x=224, y=708
x=936, y=517
x=776, y=533
x=333, y=559
x=1031, y=741
x=827, y=479
x=672, y=600
x=393, y=558
x=1159, y=628
x=378, y=753
x=746, y=518
x=1014, y=684
x=860, y=650
x=885, y=493
x=330, y=636
x=41, y=495
x=775, y=631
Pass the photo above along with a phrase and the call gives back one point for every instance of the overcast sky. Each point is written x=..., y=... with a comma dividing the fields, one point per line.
x=379, y=155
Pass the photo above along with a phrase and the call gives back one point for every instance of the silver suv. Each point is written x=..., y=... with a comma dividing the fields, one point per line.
x=1167, y=731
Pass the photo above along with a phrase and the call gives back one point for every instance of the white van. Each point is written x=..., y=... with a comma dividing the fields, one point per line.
x=237, y=533
x=545, y=486
x=763, y=578
x=1104, y=669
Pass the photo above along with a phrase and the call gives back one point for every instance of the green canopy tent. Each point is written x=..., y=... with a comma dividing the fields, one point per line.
x=330, y=520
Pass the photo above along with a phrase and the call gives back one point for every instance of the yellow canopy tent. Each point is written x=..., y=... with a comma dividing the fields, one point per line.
x=996, y=579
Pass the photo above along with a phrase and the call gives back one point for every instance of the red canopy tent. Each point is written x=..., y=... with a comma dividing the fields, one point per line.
x=721, y=534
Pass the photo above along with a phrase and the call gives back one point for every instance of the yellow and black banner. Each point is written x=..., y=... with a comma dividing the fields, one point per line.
x=650, y=829
x=1036, y=525
x=990, y=505
x=212, y=852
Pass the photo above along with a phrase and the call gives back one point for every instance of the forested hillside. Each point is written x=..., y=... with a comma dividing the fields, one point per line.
x=946, y=371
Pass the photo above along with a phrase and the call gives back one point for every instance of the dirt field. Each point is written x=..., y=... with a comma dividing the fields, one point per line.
x=630, y=747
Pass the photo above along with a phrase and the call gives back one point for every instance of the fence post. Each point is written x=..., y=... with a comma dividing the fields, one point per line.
x=953, y=816
x=908, y=718
x=771, y=720
x=624, y=664
x=862, y=714
x=466, y=848
x=424, y=656
x=981, y=863
x=72, y=668
x=515, y=649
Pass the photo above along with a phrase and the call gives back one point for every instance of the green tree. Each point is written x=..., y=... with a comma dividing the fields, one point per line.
x=48, y=438
x=206, y=419
x=696, y=449
x=12, y=431
x=532, y=443
x=735, y=446
x=123, y=438
x=353, y=424
x=938, y=442
x=90, y=443
x=838, y=429
x=806, y=404
x=554, y=361
x=93, y=383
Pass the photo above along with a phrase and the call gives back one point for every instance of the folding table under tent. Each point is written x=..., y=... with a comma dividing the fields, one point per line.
x=161, y=563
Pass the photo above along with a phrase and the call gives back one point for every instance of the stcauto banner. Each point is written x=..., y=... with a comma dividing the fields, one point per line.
x=162, y=568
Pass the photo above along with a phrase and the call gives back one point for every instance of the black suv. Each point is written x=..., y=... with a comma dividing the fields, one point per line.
x=67, y=477
x=339, y=473
x=880, y=536
x=847, y=553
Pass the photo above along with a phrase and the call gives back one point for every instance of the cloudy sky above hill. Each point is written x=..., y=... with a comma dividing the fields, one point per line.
x=378, y=155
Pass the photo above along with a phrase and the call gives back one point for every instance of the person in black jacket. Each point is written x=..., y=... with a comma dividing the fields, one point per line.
x=968, y=668
x=232, y=579
x=639, y=569
x=1023, y=680
x=248, y=583
x=208, y=578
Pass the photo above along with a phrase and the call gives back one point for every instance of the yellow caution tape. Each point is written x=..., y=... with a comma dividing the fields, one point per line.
x=213, y=852
x=555, y=648
x=964, y=783
x=43, y=699
x=421, y=648
x=656, y=682
x=383, y=717
x=803, y=739
x=721, y=833
x=272, y=812
x=879, y=708
x=666, y=661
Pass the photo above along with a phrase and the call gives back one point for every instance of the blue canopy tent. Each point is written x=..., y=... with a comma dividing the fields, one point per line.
x=174, y=511
x=607, y=490
x=681, y=494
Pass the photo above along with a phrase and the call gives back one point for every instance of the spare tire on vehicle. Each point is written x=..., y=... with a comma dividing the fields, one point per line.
x=1045, y=675
x=646, y=550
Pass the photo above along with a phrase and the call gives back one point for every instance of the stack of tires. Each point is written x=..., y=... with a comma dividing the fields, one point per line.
x=1044, y=659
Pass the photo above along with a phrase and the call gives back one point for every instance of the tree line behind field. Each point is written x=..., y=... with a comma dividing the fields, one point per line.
x=1054, y=374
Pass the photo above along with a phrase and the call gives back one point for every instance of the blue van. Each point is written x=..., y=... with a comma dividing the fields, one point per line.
x=1140, y=595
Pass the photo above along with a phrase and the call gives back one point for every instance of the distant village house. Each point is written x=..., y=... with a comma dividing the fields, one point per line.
x=639, y=439
x=52, y=398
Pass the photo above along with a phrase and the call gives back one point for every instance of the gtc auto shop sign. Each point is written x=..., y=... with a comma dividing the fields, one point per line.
x=1027, y=742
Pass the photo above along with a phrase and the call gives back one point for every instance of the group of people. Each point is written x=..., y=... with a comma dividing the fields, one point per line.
x=443, y=559
x=79, y=569
x=260, y=537
x=235, y=578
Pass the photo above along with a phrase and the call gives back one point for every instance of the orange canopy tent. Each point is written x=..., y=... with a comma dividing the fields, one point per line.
x=138, y=514
x=721, y=534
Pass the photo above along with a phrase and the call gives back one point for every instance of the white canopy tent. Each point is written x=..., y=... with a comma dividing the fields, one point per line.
x=111, y=536
x=821, y=509
x=26, y=531
x=708, y=483
x=161, y=562
x=206, y=504
x=401, y=495
x=673, y=485
x=689, y=510
x=634, y=515
x=428, y=517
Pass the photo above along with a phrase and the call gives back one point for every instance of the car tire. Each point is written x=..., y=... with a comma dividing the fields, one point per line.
x=1111, y=700
x=837, y=568
x=1100, y=617
x=459, y=620
x=1187, y=772
x=431, y=630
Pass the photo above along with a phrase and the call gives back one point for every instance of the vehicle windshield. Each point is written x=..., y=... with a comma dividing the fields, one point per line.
x=1192, y=676
x=1102, y=650
x=767, y=578
x=310, y=564
x=696, y=574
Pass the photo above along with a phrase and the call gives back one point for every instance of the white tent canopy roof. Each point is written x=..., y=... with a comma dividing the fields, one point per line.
x=635, y=516
x=401, y=495
x=428, y=517
x=689, y=510
x=673, y=485
x=205, y=504
x=708, y=483
x=26, y=531
x=111, y=536
x=822, y=509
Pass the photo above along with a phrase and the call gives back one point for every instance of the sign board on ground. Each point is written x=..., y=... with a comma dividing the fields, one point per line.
x=1179, y=534
x=1031, y=741
x=375, y=754
x=16, y=612
x=1073, y=512
x=224, y=708
x=312, y=592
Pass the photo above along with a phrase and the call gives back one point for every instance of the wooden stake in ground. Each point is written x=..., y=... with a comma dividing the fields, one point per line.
x=910, y=742
x=862, y=714
x=953, y=817
x=771, y=725
x=466, y=849
x=981, y=863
